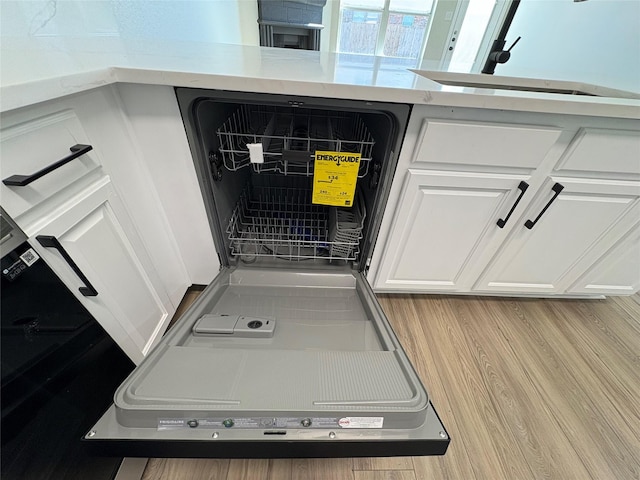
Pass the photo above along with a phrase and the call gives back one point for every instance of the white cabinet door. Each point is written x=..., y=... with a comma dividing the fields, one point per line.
x=444, y=222
x=580, y=225
x=97, y=236
x=617, y=272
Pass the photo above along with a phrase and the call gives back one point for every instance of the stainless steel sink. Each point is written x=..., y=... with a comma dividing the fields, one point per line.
x=494, y=82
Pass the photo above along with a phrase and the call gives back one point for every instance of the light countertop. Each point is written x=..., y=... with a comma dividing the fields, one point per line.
x=39, y=69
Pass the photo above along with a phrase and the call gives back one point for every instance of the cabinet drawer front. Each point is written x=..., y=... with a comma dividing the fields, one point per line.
x=31, y=146
x=484, y=144
x=603, y=151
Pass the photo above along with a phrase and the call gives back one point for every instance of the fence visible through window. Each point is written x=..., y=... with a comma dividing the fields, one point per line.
x=393, y=28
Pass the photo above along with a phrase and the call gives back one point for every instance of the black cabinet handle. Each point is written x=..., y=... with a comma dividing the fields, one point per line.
x=557, y=188
x=50, y=241
x=23, y=180
x=523, y=188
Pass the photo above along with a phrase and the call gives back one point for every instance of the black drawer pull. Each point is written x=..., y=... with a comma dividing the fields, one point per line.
x=523, y=188
x=23, y=180
x=557, y=188
x=50, y=241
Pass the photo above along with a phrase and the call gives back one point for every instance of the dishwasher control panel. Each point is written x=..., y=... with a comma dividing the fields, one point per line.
x=271, y=422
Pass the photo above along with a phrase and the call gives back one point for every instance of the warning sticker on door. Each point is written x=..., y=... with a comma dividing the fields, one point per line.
x=361, y=422
x=335, y=176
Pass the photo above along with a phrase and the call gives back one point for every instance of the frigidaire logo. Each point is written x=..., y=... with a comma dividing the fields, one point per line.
x=337, y=158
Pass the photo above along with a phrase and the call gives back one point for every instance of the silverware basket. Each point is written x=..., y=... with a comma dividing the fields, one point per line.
x=345, y=228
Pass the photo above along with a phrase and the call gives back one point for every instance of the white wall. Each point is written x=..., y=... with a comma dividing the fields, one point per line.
x=223, y=21
x=595, y=41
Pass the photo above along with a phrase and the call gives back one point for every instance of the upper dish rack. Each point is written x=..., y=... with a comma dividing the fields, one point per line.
x=290, y=138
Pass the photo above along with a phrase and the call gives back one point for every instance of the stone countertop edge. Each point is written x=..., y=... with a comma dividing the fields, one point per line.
x=424, y=91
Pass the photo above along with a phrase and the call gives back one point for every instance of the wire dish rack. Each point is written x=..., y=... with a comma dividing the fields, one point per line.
x=282, y=222
x=290, y=137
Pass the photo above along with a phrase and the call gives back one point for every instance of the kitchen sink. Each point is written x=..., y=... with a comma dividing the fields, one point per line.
x=495, y=82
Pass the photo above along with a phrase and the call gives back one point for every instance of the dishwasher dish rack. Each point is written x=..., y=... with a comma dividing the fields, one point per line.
x=291, y=137
x=282, y=222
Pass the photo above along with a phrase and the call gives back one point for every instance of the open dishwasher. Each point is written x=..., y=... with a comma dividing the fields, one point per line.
x=287, y=353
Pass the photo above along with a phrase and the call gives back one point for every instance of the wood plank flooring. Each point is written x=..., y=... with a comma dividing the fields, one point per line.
x=527, y=388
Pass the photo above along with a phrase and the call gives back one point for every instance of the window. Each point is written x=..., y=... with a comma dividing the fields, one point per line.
x=393, y=28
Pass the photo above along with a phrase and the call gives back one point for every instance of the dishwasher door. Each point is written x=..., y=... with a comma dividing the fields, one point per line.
x=275, y=362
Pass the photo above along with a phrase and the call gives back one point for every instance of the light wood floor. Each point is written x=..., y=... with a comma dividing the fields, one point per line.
x=526, y=388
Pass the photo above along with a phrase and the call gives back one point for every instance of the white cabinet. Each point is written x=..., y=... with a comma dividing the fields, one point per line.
x=154, y=118
x=36, y=136
x=103, y=207
x=95, y=235
x=598, y=205
x=459, y=172
x=617, y=272
x=576, y=224
x=444, y=220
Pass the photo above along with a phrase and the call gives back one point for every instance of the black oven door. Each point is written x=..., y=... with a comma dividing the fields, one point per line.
x=59, y=369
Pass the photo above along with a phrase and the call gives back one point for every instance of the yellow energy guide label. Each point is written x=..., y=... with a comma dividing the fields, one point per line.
x=335, y=176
